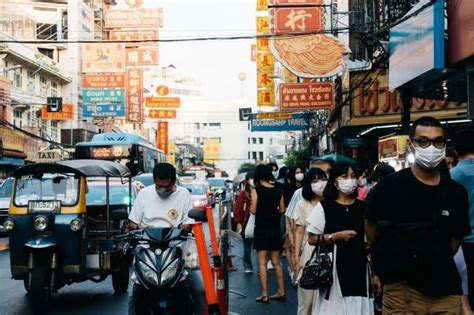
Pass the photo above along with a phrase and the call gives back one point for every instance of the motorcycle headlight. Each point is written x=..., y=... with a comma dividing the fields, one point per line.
x=76, y=225
x=40, y=223
x=9, y=224
x=170, y=271
x=148, y=274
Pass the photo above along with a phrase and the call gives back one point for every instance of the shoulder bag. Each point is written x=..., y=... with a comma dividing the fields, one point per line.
x=318, y=271
x=249, y=228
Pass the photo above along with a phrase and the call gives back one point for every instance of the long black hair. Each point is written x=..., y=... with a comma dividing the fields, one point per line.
x=262, y=172
x=313, y=173
x=338, y=169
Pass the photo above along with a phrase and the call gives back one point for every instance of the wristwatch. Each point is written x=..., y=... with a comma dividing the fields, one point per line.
x=330, y=238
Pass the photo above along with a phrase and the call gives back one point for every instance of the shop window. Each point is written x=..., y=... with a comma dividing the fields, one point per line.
x=17, y=78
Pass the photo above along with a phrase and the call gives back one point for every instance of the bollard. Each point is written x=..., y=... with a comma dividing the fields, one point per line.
x=212, y=234
x=213, y=306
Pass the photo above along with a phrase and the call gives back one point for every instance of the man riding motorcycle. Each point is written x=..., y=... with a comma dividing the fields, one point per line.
x=167, y=205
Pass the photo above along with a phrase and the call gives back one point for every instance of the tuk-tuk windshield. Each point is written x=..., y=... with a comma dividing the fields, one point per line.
x=57, y=187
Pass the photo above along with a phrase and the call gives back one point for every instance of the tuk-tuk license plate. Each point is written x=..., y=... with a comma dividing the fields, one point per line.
x=46, y=206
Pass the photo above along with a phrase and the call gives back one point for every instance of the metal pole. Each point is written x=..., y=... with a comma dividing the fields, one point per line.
x=406, y=109
x=107, y=207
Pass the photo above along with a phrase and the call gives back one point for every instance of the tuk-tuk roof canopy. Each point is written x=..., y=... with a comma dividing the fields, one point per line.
x=93, y=168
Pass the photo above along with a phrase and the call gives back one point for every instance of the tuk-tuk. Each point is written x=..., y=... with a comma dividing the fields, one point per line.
x=56, y=238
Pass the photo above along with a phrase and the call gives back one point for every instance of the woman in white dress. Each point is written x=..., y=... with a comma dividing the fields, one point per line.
x=339, y=219
x=313, y=186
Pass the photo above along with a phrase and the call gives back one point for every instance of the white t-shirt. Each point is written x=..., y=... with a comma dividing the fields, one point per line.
x=297, y=196
x=151, y=210
x=316, y=220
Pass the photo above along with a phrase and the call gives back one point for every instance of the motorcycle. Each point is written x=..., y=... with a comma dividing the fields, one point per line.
x=159, y=274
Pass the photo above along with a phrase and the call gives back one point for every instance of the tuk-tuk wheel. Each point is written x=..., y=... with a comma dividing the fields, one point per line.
x=121, y=277
x=40, y=294
x=25, y=284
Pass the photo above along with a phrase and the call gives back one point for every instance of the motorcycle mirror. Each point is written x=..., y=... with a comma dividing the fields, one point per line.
x=197, y=215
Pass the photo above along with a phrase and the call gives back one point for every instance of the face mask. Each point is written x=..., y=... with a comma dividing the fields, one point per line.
x=347, y=186
x=163, y=192
x=429, y=157
x=251, y=183
x=275, y=174
x=299, y=177
x=318, y=188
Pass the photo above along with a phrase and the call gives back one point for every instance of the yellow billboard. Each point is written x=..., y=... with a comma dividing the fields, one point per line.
x=172, y=153
x=212, y=150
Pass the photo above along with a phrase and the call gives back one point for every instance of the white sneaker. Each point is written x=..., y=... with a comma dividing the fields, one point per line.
x=269, y=265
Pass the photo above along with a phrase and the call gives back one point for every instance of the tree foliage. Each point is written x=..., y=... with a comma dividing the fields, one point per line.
x=247, y=167
x=299, y=157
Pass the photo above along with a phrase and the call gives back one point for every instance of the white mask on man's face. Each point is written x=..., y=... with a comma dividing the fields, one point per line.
x=318, y=187
x=429, y=157
x=347, y=186
x=299, y=177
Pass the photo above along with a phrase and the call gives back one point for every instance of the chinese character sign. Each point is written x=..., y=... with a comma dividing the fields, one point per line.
x=103, y=58
x=295, y=20
x=162, y=113
x=134, y=18
x=306, y=96
x=162, y=136
x=134, y=95
x=141, y=56
x=135, y=35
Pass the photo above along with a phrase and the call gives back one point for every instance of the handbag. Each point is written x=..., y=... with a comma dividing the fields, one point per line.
x=318, y=271
x=250, y=227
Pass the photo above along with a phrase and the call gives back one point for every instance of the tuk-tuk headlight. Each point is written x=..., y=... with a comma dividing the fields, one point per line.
x=40, y=223
x=9, y=224
x=76, y=225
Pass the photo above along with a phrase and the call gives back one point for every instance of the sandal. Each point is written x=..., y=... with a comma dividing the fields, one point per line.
x=262, y=299
x=278, y=297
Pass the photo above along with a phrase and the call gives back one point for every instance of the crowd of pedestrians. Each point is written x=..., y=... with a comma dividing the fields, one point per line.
x=399, y=242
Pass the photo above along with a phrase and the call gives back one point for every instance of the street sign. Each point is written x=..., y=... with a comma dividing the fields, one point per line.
x=272, y=115
x=162, y=113
x=65, y=114
x=164, y=102
x=244, y=114
x=54, y=104
x=306, y=96
x=103, y=80
x=104, y=110
x=114, y=96
x=298, y=122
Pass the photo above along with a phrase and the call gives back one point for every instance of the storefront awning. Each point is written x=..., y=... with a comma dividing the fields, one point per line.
x=11, y=161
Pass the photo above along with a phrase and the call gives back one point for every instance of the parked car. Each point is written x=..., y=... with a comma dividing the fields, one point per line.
x=199, y=195
x=5, y=193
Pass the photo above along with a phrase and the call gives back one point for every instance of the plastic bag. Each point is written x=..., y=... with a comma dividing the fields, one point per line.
x=190, y=253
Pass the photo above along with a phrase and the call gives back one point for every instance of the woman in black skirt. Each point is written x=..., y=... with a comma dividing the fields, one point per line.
x=268, y=206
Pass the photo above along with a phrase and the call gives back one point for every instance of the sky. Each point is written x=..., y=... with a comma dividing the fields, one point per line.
x=216, y=64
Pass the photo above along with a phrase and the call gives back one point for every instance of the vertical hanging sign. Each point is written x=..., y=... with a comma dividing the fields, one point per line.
x=162, y=136
x=134, y=95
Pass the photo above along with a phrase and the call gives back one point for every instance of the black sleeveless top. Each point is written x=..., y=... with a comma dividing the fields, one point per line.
x=267, y=215
x=351, y=260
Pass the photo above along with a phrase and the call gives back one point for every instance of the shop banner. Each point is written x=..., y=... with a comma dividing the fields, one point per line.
x=134, y=18
x=141, y=56
x=212, y=150
x=65, y=114
x=262, y=5
x=162, y=136
x=134, y=95
x=263, y=25
x=162, y=114
x=295, y=20
x=271, y=115
x=265, y=79
x=5, y=98
x=104, y=57
x=172, y=153
x=393, y=147
x=306, y=96
x=298, y=122
x=104, y=81
x=104, y=110
x=12, y=139
x=133, y=35
x=297, y=3
x=163, y=102
x=265, y=97
x=115, y=96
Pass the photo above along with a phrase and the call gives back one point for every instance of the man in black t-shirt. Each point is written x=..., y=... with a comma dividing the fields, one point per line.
x=415, y=220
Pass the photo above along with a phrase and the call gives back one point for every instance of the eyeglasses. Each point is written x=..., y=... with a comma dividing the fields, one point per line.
x=424, y=142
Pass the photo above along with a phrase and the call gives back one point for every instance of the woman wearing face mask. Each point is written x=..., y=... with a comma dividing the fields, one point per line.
x=241, y=217
x=313, y=186
x=339, y=221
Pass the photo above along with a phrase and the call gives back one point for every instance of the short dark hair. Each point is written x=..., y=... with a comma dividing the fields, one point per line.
x=464, y=141
x=263, y=172
x=273, y=164
x=426, y=121
x=282, y=172
x=338, y=169
x=381, y=170
x=313, y=173
x=164, y=171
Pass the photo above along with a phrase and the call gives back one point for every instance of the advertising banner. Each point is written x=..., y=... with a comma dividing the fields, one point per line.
x=162, y=113
x=265, y=97
x=134, y=18
x=133, y=35
x=262, y=5
x=141, y=56
x=306, y=96
x=417, y=45
x=298, y=122
x=134, y=95
x=263, y=25
x=172, y=153
x=65, y=114
x=5, y=97
x=295, y=20
x=86, y=21
x=104, y=110
x=460, y=29
x=263, y=44
x=163, y=102
x=212, y=150
x=162, y=136
x=92, y=96
x=272, y=115
x=265, y=61
x=103, y=58
x=265, y=79
x=12, y=140
x=298, y=3
x=103, y=81
x=393, y=147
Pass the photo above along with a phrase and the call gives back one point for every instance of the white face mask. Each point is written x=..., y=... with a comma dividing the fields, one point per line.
x=318, y=187
x=251, y=182
x=299, y=177
x=347, y=186
x=429, y=157
x=275, y=174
